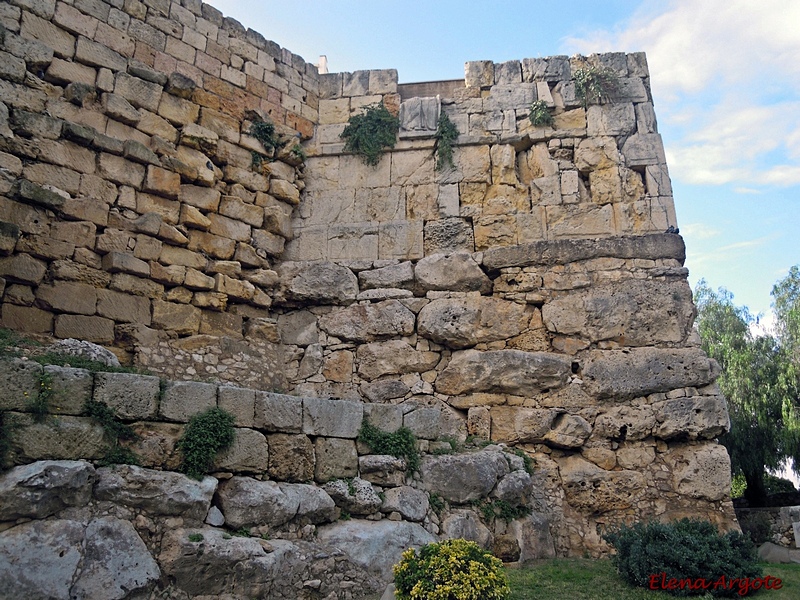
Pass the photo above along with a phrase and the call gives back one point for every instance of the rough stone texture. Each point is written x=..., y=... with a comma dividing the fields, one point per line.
x=464, y=477
x=587, y=486
x=375, y=546
x=40, y=489
x=357, y=496
x=291, y=457
x=503, y=371
x=156, y=493
x=382, y=469
x=181, y=400
x=369, y=322
x=131, y=396
x=332, y=418
x=465, y=524
x=320, y=282
x=701, y=417
x=335, y=459
x=461, y=323
x=457, y=272
x=392, y=357
x=249, y=453
x=85, y=349
x=410, y=503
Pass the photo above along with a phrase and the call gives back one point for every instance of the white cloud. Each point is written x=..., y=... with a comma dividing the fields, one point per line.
x=726, y=81
x=700, y=231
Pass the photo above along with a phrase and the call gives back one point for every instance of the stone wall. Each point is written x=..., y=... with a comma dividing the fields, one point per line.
x=533, y=294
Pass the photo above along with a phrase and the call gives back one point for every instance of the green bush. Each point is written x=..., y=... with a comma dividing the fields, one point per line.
x=370, y=132
x=540, y=114
x=757, y=525
x=446, y=134
x=686, y=549
x=206, y=435
x=401, y=443
x=594, y=85
x=450, y=570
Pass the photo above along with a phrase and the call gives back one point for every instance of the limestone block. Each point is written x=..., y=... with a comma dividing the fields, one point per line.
x=180, y=318
x=632, y=312
x=353, y=242
x=386, y=417
x=400, y=239
x=568, y=431
x=291, y=458
x=298, y=328
x=321, y=282
x=334, y=111
x=479, y=422
x=625, y=423
x=473, y=165
x=460, y=478
x=588, y=487
x=131, y=396
x=412, y=504
x=479, y=73
x=520, y=424
x=369, y=322
x=92, y=329
x=597, y=153
x=332, y=418
x=640, y=371
x=700, y=471
x=68, y=438
x=64, y=72
x=456, y=272
x=24, y=318
x=140, y=93
x=40, y=489
x=204, y=198
x=552, y=68
x=392, y=357
x=580, y=220
x=618, y=118
x=284, y=190
x=278, y=412
x=503, y=371
x=424, y=422
x=356, y=497
x=338, y=366
x=335, y=459
x=635, y=457
x=703, y=417
x=382, y=469
x=448, y=236
x=23, y=268
x=240, y=402
x=464, y=322
x=249, y=453
x=156, y=493
x=643, y=149
x=71, y=389
x=394, y=276
x=183, y=399
x=493, y=231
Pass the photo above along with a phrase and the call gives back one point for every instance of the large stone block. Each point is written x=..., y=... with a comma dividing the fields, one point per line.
x=40, y=489
x=464, y=322
x=460, y=478
x=335, y=459
x=393, y=357
x=457, y=272
x=19, y=383
x=291, y=457
x=621, y=374
x=590, y=488
x=332, y=418
x=68, y=438
x=183, y=319
x=131, y=396
x=92, y=329
x=278, y=412
x=249, y=453
x=320, y=282
x=701, y=471
x=240, y=402
x=704, y=417
x=369, y=322
x=180, y=400
x=503, y=371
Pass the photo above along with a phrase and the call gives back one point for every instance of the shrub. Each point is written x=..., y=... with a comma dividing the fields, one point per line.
x=370, y=132
x=686, y=549
x=206, y=435
x=450, y=570
x=594, y=85
x=401, y=443
x=757, y=525
x=446, y=134
x=540, y=115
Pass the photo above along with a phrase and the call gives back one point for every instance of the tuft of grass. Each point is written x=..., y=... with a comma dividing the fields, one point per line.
x=436, y=502
x=80, y=362
x=39, y=405
x=401, y=443
x=105, y=416
x=241, y=532
x=205, y=436
x=195, y=537
x=527, y=461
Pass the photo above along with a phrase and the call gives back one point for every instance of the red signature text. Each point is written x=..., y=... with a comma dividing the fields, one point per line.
x=742, y=585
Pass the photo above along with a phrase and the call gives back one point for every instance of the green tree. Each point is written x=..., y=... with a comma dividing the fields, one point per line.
x=759, y=381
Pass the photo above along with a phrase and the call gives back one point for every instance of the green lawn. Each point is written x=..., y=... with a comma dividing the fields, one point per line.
x=583, y=579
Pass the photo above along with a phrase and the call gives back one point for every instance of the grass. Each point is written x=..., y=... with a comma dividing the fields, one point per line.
x=584, y=579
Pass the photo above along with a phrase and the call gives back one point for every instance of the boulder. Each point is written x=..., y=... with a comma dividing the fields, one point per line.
x=465, y=524
x=503, y=371
x=412, y=504
x=84, y=349
x=700, y=471
x=156, y=493
x=313, y=503
x=457, y=272
x=375, y=545
x=587, y=487
x=533, y=536
x=356, y=496
x=461, y=478
x=382, y=469
x=568, y=431
x=369, y=322
x=514, y=488
x=464, y=322
x=318, y=282
x=704, y=417
x=247, y=502
x=394, y=357
x=623, y=374
x=40, y=489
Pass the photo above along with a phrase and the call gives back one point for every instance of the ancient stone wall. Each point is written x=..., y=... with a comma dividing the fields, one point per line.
x=533, y=294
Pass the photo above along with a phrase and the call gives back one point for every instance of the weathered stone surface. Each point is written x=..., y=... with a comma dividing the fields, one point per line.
x=424, y=422
x=291, y=457
x=392, y=357
x=375, y=545
x=625, y=423
x=249, y=453
x=632, y=312
x=381, y=391
x=590, y=488
x=369, y=322
x=67, y=438
x=19, y=380
x=116, y=562
x=448, y=235
x=85, y=349
x=503, y=371
x=278, y=412
x=568, y=431
x=533, y=536
x=465, y=524
x=641, y=371
x=515, y=488
x=321, y=282
x=696, y=417
x=356, y=496
x=382, y=469
x=332, y=418
x=521, y=424
x=701, y=471
x=460, y=478
x=464, y=322
x=131, y=396
x=158, y=493
x=313, y=504
x=399, y=276
x=457, y=272
x=38, y=490
x=412, y=504
x=183, y=399
x=335, y=459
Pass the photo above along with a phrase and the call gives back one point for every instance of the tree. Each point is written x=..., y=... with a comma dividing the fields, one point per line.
x=759, y=380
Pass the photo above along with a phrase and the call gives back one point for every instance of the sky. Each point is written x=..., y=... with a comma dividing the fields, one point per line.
x=725, y=78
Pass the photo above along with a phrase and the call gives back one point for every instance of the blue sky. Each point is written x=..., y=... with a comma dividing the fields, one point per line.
x=725, y=77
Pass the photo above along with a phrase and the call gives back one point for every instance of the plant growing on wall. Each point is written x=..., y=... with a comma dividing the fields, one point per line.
x=540, y=115
x=115, y=431
x=368, y=133
x=594, y=85
x=401, y=443
x=205, y=436
x=446, y=134
x=264, y=131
